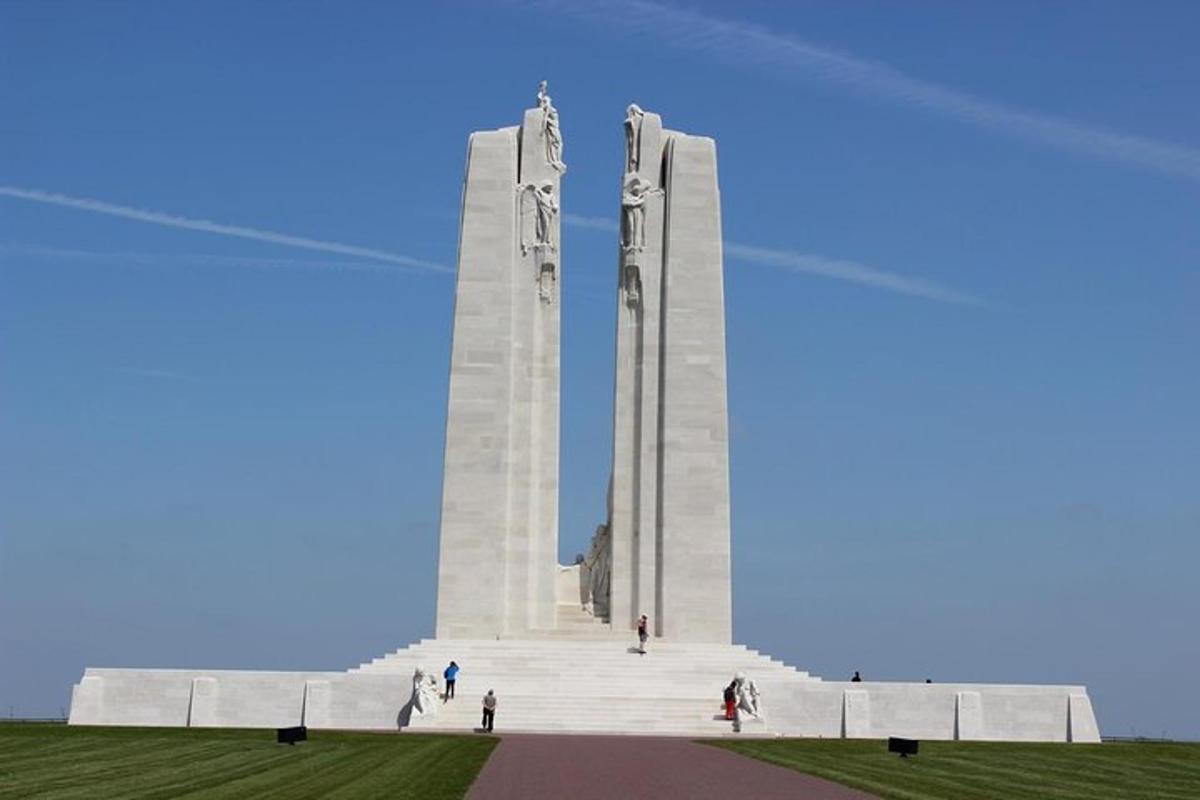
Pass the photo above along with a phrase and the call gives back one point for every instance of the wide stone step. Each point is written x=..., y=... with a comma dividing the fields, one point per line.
x=579, y=726
x=578, y=723
x=544, y=712
x=554, y=668
x=649, y=661
x=569, y=674
x=699, y=687
x=599, y=659
x=549, y=644
x=642, y=665
x=590, y=650
x=600, y=711
x=617, y=654
x=702, y=699
x=570, y=677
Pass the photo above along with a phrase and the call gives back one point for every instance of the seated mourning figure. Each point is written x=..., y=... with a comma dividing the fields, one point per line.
x=598, y=570
x=749, y=699
x=424, y=693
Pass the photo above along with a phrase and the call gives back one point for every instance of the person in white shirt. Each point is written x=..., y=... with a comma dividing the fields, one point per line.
x=489, y=711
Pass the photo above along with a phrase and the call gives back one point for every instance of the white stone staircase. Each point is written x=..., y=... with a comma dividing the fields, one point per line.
x=583, y=685
x=587, y=685
x=575, y=623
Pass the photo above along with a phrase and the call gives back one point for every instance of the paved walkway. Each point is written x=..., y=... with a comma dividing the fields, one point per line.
x=546, y=767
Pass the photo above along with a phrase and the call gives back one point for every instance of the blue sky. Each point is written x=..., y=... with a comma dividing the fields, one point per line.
x=961, y=283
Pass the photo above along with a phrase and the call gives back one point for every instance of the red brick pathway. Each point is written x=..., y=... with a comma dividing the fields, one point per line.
x=547, y=767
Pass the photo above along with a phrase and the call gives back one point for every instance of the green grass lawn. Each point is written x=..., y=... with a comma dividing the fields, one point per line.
x=992, y=771
x=55, y=761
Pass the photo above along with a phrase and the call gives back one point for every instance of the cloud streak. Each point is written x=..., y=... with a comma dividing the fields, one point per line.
x=791, y=261
x=201, y=260
x=207, y=226
x=851, y=271
x=821, y=266
x=742, y=43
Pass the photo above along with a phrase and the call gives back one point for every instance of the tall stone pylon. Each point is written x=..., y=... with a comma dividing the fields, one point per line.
x=668, y=534
x=499, y=523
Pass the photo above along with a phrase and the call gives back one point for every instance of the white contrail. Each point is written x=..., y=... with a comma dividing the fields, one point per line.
x=142, y=258
x=173, y=221
x=810, y=264
x=848, y=271
x=742, y=43
x=782, y=259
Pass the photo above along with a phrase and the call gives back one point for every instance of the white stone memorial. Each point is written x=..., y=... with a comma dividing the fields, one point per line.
x=553, y=641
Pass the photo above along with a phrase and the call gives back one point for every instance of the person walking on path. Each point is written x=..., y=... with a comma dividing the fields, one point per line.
x=730, y=700
x=451, y=675
x=489, y=711
x=643, y=634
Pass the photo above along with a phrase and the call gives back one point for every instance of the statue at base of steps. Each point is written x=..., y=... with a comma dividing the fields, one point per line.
x=424, y=693
x=749, y=698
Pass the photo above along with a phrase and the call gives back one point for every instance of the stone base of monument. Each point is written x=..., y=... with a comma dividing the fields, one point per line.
x=583, y=686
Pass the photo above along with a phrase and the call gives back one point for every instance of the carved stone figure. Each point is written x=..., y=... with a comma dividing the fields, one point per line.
x=547, y=281
x=633, y=137
x=550, y=129
x=599, y=568
x=637, y=191
x=633, y=285
x=545, y=208
x=748, y=696
x=424, y=693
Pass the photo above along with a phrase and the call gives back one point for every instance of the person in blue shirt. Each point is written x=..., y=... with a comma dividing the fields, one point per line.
x=450, y=675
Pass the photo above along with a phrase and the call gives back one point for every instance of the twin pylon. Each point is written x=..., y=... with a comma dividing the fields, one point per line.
x=664, y=549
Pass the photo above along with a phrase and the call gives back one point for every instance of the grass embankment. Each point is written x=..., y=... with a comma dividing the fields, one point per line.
x=55, y=761
x=992, y=771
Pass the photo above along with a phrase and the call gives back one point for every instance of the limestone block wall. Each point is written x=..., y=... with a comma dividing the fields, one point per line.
x=499, y=522
x=967, y=712
x=472, y=561
x=180, y=698
x=695, y=582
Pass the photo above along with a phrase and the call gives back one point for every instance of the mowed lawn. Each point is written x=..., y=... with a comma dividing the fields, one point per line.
x=55, y=761
x=992, y=771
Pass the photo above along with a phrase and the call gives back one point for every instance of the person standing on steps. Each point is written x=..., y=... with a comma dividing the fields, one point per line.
x=857, y=678
x=489, y=711
x=451, y=675
x=731, y=700
x=643, y=633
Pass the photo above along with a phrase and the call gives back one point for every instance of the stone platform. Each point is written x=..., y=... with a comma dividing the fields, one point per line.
x=583, y=686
